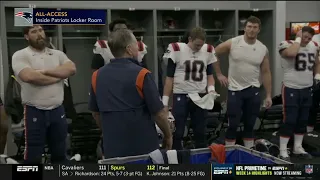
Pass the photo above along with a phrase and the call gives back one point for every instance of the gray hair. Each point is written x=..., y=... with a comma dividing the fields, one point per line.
x=119, y=40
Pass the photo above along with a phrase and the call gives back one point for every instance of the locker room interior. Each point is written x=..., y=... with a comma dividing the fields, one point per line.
x=222, y=21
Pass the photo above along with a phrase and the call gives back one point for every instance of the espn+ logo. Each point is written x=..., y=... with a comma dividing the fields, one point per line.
x=27, y=168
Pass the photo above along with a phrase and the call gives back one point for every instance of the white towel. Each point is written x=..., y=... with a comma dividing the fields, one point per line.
x=156, y=157
x=4, y=159
x=206, y=102
x=170, y=119
x=172, y=157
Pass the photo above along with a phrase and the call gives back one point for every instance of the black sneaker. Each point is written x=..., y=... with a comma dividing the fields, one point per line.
x=303, y=155
x=285, y=158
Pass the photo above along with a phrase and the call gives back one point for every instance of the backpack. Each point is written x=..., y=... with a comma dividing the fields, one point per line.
x=13, y=104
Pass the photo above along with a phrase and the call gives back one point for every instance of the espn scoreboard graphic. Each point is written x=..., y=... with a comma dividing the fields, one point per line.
x=116, y=171
x=34, y=16
x=169, y=172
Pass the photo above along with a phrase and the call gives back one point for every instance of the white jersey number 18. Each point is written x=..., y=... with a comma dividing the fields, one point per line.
x=194, y=70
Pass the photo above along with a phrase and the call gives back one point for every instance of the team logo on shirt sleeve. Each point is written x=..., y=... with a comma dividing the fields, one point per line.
x=167, y=51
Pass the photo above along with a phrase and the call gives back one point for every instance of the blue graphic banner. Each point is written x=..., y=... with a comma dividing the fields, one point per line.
x=68, y=17
x=225, y=170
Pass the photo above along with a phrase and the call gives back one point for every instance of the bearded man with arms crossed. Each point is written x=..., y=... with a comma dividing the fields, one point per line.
x=41, y=72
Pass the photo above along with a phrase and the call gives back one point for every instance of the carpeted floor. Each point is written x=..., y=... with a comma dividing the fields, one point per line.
x=315, y=160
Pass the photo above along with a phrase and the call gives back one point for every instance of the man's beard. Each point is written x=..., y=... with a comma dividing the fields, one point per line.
x=38, y=44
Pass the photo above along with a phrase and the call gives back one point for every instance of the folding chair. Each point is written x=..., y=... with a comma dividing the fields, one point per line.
x=270, y=119
x=215, y=120
x=214, y=124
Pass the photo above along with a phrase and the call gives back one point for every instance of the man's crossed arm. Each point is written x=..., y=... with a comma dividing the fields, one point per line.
x=22, y=68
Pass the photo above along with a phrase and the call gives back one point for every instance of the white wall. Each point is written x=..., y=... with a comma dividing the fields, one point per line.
x=279, y=35
x=1, y=74
x=303, y=11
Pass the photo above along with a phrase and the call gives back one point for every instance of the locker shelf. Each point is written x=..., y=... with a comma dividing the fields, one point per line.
x=140, y=21
x=219, y=26
x=217, y=20
x=175, y=21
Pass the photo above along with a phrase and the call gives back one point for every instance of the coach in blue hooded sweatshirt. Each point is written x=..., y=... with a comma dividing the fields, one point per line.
x=123, y=99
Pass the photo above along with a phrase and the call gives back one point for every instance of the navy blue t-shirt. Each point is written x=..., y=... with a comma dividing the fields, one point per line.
x=127, y=97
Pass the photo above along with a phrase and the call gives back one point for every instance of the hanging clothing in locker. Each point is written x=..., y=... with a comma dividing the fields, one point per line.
x=12, y=100
x=68, y=98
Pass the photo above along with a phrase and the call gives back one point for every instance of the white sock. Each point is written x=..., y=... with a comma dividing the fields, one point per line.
x=248, y=143
x=230, y=142
x=283, y=146
x=310, y=128
x=298, y=138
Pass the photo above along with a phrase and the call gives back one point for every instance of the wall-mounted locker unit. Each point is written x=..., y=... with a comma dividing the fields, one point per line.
x=78, y=42
x=141, y=22
x=156, y=28
x=171, y=27
x=219, y=26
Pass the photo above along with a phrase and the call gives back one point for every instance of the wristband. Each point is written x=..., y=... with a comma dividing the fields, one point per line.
x=165, y=100
x=317, y=77
x=298, y=40
x=211, y=88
